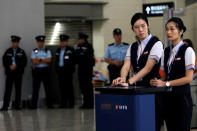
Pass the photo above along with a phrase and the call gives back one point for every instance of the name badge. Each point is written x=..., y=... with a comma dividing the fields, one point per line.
x=19, y=54
x=145, y=52
x=66, y=57
x=179, y=58
x=8, y=54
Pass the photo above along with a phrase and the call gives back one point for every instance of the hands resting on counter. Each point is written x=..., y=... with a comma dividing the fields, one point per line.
x=122, y=82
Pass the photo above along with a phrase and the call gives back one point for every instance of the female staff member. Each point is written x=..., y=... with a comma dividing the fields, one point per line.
x=190, y=44
x=142, y=56
x=178, y=64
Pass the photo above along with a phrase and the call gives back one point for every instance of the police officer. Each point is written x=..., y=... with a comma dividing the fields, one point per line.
x=115, y=54
x=14, y=62
x=85, y=61
x=65, y=66
x=41, y=58
x=178, y=63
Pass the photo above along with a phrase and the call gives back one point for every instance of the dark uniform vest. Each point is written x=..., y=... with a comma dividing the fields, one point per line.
x=142, y=61
x=85, y=55
x=69, y=59
x=20, y=59
x=177, y=68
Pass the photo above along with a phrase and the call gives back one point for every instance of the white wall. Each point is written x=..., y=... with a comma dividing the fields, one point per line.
x=190, y=20
x=26, y=19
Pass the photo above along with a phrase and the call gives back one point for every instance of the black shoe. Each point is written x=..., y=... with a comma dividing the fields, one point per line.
x=84, y=107
x=71, y=106
x=89, y=107
x=33, y=107
x=17, y=108
x=4, y=109
x=50, y=107
x=63, y=106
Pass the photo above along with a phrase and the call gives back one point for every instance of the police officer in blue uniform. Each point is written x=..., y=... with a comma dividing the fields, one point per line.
x=41, y=58
x=14, y=62
x=65, y=67
x=115, y=54
x=85, y=61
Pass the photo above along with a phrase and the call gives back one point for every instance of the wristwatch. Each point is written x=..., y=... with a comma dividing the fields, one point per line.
x=168, y=84
x=129, y=84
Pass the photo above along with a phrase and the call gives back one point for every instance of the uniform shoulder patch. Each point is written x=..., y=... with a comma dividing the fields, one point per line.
x=125, y=43
x=35, y=50
x=111, y=44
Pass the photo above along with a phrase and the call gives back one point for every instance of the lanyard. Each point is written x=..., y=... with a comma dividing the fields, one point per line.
x=138, y=66
x=170, y=64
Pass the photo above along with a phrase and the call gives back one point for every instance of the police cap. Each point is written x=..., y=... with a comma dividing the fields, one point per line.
x=15, y=38
x=82, y=36
x=64, y=37
x=117, y=31
x=40, y=38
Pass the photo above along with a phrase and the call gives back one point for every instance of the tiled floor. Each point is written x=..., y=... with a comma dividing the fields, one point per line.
x=48, y=120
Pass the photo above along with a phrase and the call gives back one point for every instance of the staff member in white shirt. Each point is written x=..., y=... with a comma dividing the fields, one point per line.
x=178, y=63
x=143, y=56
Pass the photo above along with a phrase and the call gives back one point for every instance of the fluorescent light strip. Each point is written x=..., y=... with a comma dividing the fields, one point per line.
x=55, y=33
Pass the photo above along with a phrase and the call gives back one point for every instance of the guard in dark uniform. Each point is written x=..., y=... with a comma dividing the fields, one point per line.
x=65, y=67
x=86, y=61
x=41, y=58
x=14, y=62
x=115, y=55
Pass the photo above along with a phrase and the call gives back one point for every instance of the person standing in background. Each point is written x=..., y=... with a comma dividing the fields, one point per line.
x=86, y=61
x=14, y=62
x=65, y=67
x=115, y=54
x=41, y=58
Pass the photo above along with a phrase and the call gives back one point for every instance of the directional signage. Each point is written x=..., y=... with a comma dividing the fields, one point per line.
x=156, y=9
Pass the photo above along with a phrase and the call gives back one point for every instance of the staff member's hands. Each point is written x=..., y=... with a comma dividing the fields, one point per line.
x=157, y=82
x=118, y=81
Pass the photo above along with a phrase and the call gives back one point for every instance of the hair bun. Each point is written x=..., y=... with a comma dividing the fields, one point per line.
x=184, y=28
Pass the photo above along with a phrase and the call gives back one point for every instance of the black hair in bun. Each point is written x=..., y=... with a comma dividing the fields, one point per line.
x=179, y=24
x=138, y=16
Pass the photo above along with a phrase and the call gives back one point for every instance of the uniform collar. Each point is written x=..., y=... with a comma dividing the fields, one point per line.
x=63, y=48
x=176, y=48
x=41, y=49
x=121, y=44
x=146, y=40
x=14, y=49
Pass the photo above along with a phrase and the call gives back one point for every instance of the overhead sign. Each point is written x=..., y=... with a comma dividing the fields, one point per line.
x=156, y=9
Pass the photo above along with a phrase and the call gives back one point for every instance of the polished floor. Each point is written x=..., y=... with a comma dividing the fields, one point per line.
x=48, y=120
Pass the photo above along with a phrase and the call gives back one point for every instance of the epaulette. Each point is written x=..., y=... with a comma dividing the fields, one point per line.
x=111, y=44
x=125, y=43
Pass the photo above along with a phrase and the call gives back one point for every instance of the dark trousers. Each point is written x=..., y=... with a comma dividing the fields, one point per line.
x=158, y=111
x=41, y=75
x=16, y=79
x=65, y=79
x=177, y=111
x=114, y=72
x=85, y=84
